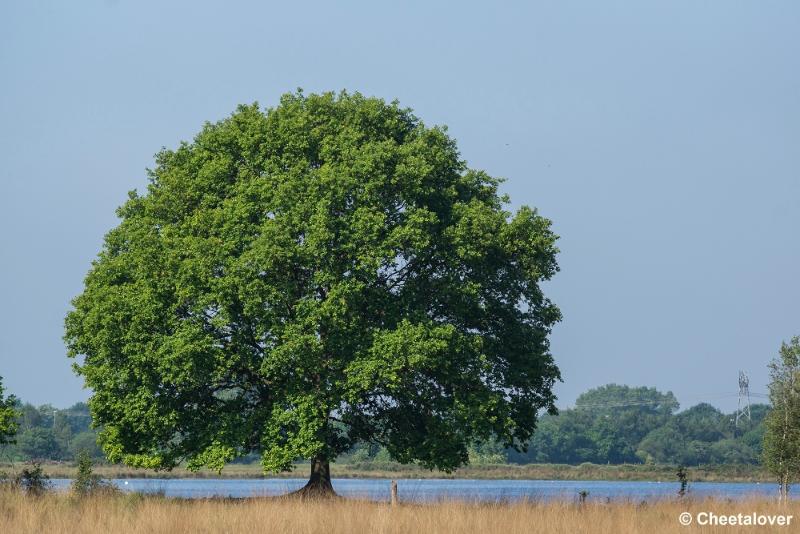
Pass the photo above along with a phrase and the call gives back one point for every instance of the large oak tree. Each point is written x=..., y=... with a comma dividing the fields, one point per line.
x=303, y=278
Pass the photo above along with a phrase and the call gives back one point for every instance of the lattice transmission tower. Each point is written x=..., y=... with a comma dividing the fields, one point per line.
x=743, y=408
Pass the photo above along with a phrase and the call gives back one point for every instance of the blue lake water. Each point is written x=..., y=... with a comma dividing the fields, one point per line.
x=426, y=490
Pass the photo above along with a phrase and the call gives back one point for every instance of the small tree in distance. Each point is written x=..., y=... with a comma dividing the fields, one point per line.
x=86, y=482
x=33, y=480
x=782, y=435
x=8, y=417
x=301, y=279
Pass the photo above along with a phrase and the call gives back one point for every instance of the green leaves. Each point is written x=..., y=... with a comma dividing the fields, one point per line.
x=299, y=279
x=398, y=354
x=8, y=416
x=782, y=424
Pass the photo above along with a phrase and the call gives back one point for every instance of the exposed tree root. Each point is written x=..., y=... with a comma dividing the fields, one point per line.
x=315, y=491
x=319, y=483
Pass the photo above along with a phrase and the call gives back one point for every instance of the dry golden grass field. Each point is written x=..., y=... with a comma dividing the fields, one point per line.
x=62, y=513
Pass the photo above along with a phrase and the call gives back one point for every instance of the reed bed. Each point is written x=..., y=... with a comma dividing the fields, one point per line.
x=126, y=513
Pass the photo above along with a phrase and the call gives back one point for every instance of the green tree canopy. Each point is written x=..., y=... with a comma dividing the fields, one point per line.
x=782, y=425
x=300, y=279
x=8, y=416
x=85, y=441
x=622, y=415
x=703, y=422
x=606, y=425
x=38, y=443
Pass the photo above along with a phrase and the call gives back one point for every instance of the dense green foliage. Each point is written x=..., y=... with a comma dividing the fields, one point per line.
x=302, y=279
x=619, y=424
x=8, y=416
x=604, y=425
x=782, y=435
x=46, y=433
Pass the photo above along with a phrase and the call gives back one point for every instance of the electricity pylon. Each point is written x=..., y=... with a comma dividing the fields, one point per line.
x=743, y=408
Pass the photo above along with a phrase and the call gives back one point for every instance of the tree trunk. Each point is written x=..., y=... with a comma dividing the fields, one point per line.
x=784, y=489
x=319, y=483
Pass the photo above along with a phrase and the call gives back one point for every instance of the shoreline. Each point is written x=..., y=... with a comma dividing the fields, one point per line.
x=593, y=472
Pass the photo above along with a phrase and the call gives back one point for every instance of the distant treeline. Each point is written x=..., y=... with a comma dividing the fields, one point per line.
x=47, y=433
x=621, y=424
x=611, y=424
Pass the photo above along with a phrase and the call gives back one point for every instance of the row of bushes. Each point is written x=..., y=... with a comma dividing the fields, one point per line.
x=34, y=482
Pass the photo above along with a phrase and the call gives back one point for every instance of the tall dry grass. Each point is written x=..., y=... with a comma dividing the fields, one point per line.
x=61, y=513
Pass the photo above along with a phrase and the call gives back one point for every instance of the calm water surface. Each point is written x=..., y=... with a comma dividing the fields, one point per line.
x=435, y=489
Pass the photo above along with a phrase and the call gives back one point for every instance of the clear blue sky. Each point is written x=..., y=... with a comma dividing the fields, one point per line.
x=662, y=138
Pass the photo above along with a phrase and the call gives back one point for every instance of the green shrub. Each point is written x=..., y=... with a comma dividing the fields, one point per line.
x=33, y=480
x=86, y=482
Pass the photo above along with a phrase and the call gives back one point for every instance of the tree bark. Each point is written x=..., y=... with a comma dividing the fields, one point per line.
x=784, y=489
x=319, y=483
